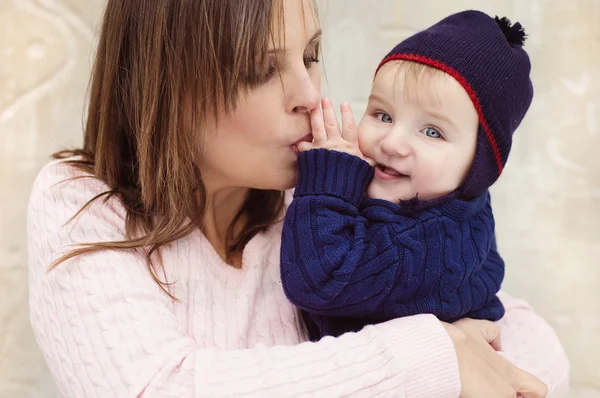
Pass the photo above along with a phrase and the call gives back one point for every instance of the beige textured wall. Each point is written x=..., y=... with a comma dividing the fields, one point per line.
x=547, y=203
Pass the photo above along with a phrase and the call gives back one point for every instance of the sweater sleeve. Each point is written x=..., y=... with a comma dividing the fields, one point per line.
x=374, y=263
x=106, y=329
x=324, y=245
x=531, y=344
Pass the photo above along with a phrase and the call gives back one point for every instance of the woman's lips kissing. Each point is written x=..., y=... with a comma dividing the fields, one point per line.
x=307, y=138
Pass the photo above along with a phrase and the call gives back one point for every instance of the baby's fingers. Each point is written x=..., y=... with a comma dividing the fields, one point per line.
x=318, y=127
x=331, y=124
x=349, y=129
x=305, y=146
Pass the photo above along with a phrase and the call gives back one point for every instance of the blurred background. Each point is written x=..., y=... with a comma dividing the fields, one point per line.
x=547, y=203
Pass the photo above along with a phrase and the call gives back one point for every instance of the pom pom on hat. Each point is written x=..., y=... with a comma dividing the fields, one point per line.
x=515, y=34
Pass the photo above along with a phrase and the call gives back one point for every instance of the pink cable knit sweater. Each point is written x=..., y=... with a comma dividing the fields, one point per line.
x=107, y=330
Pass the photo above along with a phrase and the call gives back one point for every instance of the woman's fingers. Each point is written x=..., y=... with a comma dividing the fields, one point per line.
x=483, y=371
x=489, y=330
x=529, y=386
x=349, y=129
x=330, y=119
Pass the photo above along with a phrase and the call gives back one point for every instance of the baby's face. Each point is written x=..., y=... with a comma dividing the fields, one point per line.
x=421, y=132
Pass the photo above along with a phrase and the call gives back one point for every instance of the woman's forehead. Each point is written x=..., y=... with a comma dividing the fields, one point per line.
x=296, y=24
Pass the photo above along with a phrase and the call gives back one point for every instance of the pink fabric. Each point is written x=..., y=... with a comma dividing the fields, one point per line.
x=107, y=330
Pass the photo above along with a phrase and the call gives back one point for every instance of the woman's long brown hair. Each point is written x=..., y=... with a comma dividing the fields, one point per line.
x=160, y=68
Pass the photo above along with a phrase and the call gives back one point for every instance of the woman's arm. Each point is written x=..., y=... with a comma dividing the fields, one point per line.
x=106, y=329
x=531, y=344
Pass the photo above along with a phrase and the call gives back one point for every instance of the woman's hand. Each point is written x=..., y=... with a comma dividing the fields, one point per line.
x=326, y=131
x=483, y=372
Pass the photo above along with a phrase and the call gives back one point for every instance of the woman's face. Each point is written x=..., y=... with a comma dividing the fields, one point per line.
x=254, y=145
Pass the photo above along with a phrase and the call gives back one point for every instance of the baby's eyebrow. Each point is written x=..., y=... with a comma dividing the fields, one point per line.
x=442, y=117
x=376, y=97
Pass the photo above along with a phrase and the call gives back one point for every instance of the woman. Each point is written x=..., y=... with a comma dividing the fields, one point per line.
x=162, y=233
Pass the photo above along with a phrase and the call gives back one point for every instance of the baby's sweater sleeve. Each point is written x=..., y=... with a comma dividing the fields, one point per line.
x=339, y=259
x=107, y=330
x=327, y=265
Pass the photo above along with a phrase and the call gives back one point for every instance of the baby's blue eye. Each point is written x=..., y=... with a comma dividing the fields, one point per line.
x=384, y=117
x=432, y=133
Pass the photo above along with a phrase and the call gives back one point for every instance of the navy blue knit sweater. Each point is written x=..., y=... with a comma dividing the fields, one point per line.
x=348, y=261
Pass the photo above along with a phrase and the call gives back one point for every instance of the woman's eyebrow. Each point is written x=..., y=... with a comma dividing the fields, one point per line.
x=316, y=36
x=312, y=40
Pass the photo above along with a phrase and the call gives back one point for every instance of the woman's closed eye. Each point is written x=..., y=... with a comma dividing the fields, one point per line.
x=311, y=54
x=270, y=71
x=310, y=60
x=264, y=73
x=383, y=117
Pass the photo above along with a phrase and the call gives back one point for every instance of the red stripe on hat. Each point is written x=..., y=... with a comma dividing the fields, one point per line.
x=455, y=74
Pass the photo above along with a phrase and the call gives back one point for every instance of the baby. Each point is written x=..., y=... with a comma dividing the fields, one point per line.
x=393, y=218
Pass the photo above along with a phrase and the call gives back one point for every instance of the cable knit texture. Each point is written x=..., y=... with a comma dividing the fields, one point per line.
x=350, y=261
x=107, y=330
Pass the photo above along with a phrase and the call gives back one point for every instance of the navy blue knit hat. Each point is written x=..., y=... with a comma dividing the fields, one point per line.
x=485, y=55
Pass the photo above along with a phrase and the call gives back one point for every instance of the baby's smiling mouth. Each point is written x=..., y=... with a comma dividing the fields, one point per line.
x=385, y=171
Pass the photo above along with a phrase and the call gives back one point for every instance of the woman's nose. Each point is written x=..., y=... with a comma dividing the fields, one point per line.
x=306, y=94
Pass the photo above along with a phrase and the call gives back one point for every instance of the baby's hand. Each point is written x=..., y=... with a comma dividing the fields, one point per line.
x=326, y=132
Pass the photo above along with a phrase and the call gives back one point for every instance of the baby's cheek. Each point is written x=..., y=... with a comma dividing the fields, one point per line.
x=429, y=173
x=424, y=183
x=366, y=139
x=438, y=177
x=361, y=142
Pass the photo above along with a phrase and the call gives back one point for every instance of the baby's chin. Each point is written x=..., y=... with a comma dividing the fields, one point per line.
x=375, y=191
